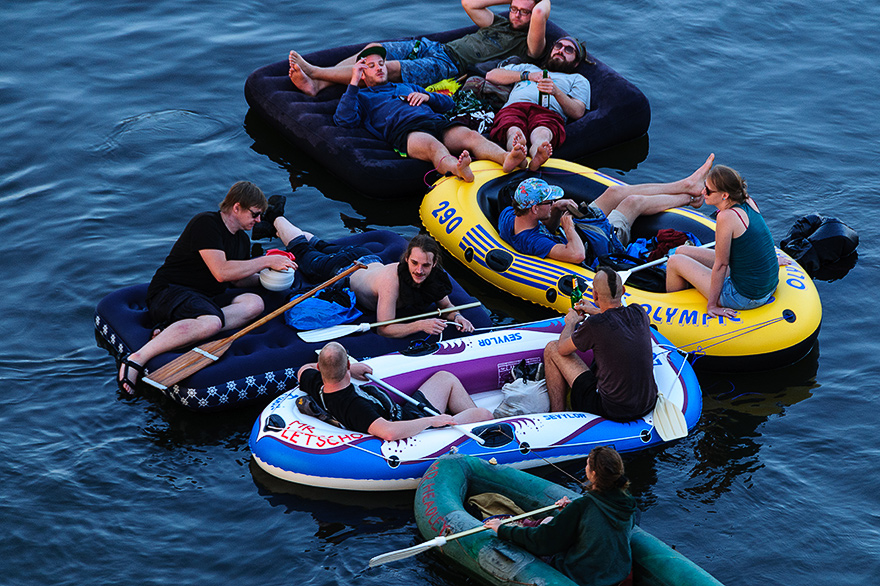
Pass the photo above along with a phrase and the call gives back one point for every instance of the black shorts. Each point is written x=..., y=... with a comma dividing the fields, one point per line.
x=409, y=411
x=436, y=127
x=585, y=394
x=176, y=302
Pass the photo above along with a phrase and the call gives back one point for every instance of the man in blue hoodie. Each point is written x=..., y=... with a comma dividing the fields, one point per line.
x=409, y=119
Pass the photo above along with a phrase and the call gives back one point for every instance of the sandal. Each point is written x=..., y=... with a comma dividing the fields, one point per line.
x=124, y=379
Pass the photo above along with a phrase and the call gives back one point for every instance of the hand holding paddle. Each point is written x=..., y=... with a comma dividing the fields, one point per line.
x=208, y=353
x=441, y=540
x=333, y=332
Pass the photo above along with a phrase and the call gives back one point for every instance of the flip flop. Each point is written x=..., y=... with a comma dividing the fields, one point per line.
x=123, y=380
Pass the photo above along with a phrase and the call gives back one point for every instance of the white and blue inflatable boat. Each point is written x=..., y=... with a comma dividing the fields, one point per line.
x=294, y=446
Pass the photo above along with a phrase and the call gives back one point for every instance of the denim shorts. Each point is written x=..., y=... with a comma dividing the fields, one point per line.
x=731, y=298
x=422, y=61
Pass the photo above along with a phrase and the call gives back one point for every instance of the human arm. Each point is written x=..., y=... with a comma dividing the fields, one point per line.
x=436, y=101
x=348, y=112
x=559, y=534
x=242, y=272
x=478, y=10
x=573, y=250
x=462, y=323
x=537, y=39
x=725, y=222
x=571, y=107
x=395, y=430
x=359, y=370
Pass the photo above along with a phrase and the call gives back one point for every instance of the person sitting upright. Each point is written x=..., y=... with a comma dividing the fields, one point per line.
x=186, y=298
x=530, y=224
x=329, y=382
x=590, y=538
x=423, y=62
x=523, y=119
x=407, y=117
x=743, y=270
x=620, y=384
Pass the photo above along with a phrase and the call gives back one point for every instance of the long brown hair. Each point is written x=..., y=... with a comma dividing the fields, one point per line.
x=728, y=180
x=607, y=465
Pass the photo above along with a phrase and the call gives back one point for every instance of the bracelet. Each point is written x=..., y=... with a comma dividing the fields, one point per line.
x=524, y=76
x=454, y=313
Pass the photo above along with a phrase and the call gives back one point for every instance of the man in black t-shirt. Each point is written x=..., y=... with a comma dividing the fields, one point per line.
x=186, y=297
x=620, y=386
x=329, y=382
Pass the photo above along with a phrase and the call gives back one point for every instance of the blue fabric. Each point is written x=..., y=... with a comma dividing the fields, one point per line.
x=733, y=299
x=536, y=241
x=381, y=110
x=422, y=61
x=314, y=313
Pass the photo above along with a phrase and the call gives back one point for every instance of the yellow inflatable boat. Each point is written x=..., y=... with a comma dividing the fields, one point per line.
x=462, y=217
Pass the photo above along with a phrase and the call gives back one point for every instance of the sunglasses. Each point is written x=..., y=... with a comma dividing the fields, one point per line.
x=257, y=214
x=710, y=191
x=566, y=48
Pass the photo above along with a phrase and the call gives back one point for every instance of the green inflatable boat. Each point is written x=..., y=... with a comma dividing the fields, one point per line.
x=440, y=510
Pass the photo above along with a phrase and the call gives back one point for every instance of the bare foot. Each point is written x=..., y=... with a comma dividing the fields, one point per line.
x=695, y=183
x=696, y=201
x=542, y=153
x=296, y=58
x=515, y=158
x=302, y=81
x=463, y=168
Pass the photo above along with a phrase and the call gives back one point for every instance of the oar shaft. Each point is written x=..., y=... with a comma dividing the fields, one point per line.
x=503, y=522
x=665, y=258
x=298, y=299
x=438, y=313
x=406, y=397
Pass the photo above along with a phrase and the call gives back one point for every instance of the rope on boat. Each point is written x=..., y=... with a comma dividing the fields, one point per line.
x=728, y=336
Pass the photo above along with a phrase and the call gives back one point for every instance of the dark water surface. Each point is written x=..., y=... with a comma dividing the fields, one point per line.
x=122, y=120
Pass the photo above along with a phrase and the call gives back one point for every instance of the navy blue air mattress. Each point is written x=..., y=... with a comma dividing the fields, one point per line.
x=263, y=363
x=619, y=112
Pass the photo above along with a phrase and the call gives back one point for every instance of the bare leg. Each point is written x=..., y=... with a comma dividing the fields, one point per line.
x=287, y=231
x=187, y=331
x=459, y=138
x=423, y=146
x=541, y=148
x=515, y=136
x=692, y=186
x=560, y=372
x=447, y=394
x=682, y=271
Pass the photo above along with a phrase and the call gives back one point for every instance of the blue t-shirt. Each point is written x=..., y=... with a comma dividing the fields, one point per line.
x=537, y=241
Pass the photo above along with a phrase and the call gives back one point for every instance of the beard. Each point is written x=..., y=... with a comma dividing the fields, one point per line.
x=559, y=64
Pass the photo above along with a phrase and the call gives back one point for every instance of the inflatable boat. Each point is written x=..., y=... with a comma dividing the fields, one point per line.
x=289, y=442
x=618, y=112
x=463, y=217
x=261, y=364
x=440, y=509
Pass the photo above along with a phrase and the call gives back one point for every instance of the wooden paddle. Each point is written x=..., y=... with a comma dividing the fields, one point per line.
x=624, y=275
x=208, y=353
x=341, y=330
x=441, y=540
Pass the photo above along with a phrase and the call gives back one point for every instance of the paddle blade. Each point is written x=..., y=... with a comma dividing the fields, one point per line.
x=188, y=364
x=406, y=553
x=669, y=421
x=332, y=332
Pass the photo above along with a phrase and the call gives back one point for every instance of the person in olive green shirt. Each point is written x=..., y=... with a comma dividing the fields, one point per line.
x=423, y=62
x=590, y=538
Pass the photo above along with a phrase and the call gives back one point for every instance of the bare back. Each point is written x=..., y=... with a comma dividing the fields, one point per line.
x=376, y=282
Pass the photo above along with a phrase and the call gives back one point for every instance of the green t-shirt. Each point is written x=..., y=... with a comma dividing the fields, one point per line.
x=494, y=42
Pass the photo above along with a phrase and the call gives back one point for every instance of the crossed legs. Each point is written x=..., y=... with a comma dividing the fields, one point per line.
x=467, y=142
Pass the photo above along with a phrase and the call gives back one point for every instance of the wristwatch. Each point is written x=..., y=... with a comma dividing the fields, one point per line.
x=524, y=76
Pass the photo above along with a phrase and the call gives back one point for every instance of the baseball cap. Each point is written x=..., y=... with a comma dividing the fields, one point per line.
x=533, y=191
x=374, y=50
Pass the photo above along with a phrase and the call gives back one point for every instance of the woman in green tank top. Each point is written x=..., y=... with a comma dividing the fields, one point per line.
x=743, y=270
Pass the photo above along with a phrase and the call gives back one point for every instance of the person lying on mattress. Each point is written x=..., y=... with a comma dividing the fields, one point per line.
x=408, y=118
x=423, y=62
x=328, y=382
x=620, y=383
x=743, y=270
x=415, y=284
x=589, y=538
x=531, y=225
x=186, y=297
x=523, y=119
